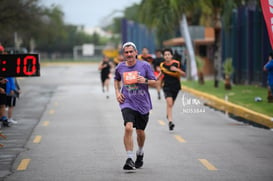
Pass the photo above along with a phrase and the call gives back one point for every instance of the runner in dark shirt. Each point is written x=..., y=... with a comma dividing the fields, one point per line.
x=146, y=56
x=156, y=63
x=171, y=82
x=105, y=74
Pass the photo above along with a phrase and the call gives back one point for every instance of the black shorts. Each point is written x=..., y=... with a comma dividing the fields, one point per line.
x=11, y=101
x=3, y=99
x=104, y=77
x=168, y=92
x=139, y=120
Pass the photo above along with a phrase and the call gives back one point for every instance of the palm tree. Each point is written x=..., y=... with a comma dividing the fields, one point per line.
x=164, y=15
x=212, y=12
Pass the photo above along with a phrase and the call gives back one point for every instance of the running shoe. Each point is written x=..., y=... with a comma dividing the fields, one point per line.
x=139, y=161
x=171, y=125
x=5, y=121
x=12, y=121
x=129, y=164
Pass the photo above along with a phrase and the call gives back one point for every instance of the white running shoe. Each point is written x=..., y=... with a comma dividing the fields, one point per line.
x=12, y=121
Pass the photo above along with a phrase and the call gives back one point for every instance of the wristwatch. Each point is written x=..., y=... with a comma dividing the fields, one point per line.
x=146, y=81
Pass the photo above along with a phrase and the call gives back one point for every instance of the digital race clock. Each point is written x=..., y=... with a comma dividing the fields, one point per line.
x=19, y=65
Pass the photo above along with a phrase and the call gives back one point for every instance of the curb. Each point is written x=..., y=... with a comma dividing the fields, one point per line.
x=234, y=109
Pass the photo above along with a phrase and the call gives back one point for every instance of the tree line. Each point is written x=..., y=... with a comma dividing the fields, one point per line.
x=164, y=15
x=45, y=28
x=41, y=27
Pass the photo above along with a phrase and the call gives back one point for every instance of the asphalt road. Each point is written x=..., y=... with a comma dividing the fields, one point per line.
x=68, y=130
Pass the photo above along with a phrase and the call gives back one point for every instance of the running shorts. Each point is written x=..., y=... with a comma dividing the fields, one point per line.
x=3, y=99
x=11, y=101
x=168, y=92
x=139, y=120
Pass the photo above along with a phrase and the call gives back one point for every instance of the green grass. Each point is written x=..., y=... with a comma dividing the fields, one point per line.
x=242, y=95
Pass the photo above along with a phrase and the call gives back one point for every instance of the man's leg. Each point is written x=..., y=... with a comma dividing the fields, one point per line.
x=129, y=144
x=2, y=110
x=141, y=123
x=102, y=83
x=106, y=85
x=158, y=88
x=140, y=140
x=128, y=137
x=10, y=110
x=3, y=117
x=140, y=152
x=169, y=104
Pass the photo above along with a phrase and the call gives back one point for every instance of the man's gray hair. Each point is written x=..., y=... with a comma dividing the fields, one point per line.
x=129, y=44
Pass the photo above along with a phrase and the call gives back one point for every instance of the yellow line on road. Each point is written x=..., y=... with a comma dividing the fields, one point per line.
x=45, y=123
x=23, y=164
x=162, y=123
x=52, y=111
x=2, y=136
x=180, y=139
x=208, y=165
x=37, y=139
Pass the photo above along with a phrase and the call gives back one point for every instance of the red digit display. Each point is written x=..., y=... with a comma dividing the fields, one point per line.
x=29, y=70
x=19, y=65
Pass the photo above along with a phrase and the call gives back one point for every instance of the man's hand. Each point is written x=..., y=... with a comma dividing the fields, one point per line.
x=3, y=81
x=120, y=97
x=12, y=93
x=2, y=91
x=173, y=68
x=141, y=79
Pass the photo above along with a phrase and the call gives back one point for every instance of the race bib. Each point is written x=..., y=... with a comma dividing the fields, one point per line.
x=130, y=77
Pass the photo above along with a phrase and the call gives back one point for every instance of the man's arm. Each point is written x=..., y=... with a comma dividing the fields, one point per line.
x=119, y=95
x=265, y=69
x=3, y=80
x=181, y=72
x=268, y=65
x=151, y=83
x=143, y=80
x=2, y=91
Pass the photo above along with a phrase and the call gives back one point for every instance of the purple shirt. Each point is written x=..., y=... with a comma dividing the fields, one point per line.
x=137, y=96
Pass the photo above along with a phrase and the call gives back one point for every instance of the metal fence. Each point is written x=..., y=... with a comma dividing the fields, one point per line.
x=139, y=34
x=74, y=55
x=247, y=42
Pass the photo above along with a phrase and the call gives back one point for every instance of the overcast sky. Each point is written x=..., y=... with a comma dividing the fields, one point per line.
x=90, y=13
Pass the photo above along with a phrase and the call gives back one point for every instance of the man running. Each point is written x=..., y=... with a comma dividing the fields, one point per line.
x=145, y=55
x=156, y=63
x=105, y=67
x=134, y=100
x=171, y=82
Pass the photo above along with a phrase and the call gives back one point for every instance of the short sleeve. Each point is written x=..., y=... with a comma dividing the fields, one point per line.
x=269, y=66
x=149, y=72
x=117, y=74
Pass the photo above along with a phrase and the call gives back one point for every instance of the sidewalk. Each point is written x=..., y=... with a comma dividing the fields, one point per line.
x=234, y=109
